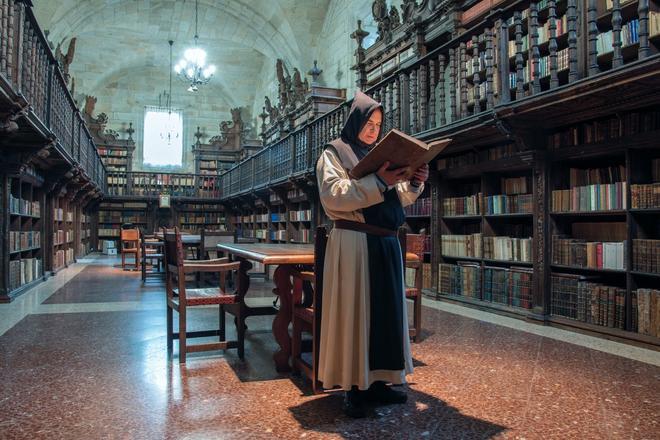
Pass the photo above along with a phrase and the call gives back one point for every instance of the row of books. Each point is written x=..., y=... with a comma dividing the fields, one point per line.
x=116, y=180
x=105, y=232
x=200, y=207
x=421, y=207
x=575, y=297
x=629, y=36
x=24, y=271
x=19, y=241
x=545, y=64
x=596, y=176
x=188, y=217
x=648, y=311
x=277, y=217
x=508, y=286
x=261, y=234
x=427, y=276
x=60, y=237
x=646, y=255
x=278, y=235
x=462, y=245
x=133, y=218
x=261, y=218
x=507, y=248
x=115, y=161
x=63, y=257
x=506, y=204
x=24, y=207
x=302, y=235
x=516, y=185
x=543, y=35
x=85, y=233
x=303, y=215
x=274, y=198
x=462, y=279
x=627, y=124
x=112, y=152
x=208, y=164
x=58, y=215
x=605, y=197
x=469, y=205
x=84, y=248
x=295, y=193
x=645, y=196
x=589, y=254
x=472, y=158
x=109, y=217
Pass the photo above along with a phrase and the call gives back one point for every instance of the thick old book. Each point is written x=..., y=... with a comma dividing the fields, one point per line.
x=400, y=150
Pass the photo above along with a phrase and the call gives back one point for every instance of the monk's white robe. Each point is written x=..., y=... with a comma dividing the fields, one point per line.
x=344, y=349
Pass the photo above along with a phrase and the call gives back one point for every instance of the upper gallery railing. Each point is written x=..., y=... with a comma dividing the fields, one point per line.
x=151, y=184
x=28, y=67
x=511, y=55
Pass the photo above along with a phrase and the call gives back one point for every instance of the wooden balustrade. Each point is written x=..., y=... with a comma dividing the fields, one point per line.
x=29, y=71
x=145, y=184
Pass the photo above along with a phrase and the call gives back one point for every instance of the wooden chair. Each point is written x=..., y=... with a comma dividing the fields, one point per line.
x=414, y=244
x=130, y=245
x=179, y=298
x=306, y=313
x=151, y=249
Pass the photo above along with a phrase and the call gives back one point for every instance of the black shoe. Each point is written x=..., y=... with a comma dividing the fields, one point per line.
x=354, y=404
x=380, y=393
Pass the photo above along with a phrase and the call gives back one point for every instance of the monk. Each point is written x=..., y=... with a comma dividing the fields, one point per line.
x=364, y=327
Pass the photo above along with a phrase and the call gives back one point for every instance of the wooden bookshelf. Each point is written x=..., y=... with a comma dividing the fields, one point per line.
x=299, y=216
x=62, y=230
x=193, y=217
x=24, y=264
x=113, y=214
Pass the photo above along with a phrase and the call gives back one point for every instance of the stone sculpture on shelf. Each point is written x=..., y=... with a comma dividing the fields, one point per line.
x=271, y=110
x=66, y=60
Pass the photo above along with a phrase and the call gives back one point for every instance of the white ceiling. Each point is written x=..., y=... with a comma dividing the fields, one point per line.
x=124, y=38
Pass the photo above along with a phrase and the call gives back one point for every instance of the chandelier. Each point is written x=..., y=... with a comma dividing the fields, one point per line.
x=192, y=67
x=169, y=128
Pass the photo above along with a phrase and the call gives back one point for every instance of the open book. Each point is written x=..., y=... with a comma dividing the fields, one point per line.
x=402, y=151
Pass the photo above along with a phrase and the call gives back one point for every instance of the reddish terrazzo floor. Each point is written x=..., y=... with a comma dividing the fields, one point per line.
x=106, y=375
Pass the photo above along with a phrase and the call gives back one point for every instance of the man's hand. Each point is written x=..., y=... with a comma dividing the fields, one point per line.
x=421, y=175
x=391, y=177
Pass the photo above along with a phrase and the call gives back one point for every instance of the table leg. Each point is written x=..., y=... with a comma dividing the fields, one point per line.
x=283, y=289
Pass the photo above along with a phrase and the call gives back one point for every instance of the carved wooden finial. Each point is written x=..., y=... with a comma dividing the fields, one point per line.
x=315, y=72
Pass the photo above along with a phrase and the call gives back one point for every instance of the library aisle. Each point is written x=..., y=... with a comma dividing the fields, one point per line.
x=83, y=355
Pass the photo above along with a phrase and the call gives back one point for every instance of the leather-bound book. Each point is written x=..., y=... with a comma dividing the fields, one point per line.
x=400, y=150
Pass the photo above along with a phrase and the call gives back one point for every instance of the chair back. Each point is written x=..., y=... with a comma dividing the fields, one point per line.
x=128, y=235
x=320, y=243
x=415, y=244
x=211, y=239
x=173, y=250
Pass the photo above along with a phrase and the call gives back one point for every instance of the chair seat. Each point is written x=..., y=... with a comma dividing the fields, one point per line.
x=412, y=292
x=150, y=255
x=205, y=296
x=304, y=313
x=130, y=250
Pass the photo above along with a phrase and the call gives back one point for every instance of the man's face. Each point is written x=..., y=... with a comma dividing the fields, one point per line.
x=370, y=131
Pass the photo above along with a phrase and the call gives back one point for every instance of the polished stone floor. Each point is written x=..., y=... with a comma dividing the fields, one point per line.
x=83, y=357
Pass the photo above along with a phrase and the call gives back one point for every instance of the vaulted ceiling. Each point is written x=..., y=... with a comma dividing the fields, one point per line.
x=120, y=39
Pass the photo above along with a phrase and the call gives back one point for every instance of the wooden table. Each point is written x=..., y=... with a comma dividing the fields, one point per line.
x=286, y=257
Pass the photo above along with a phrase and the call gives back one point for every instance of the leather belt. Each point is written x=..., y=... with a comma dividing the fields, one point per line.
x=363, y=227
